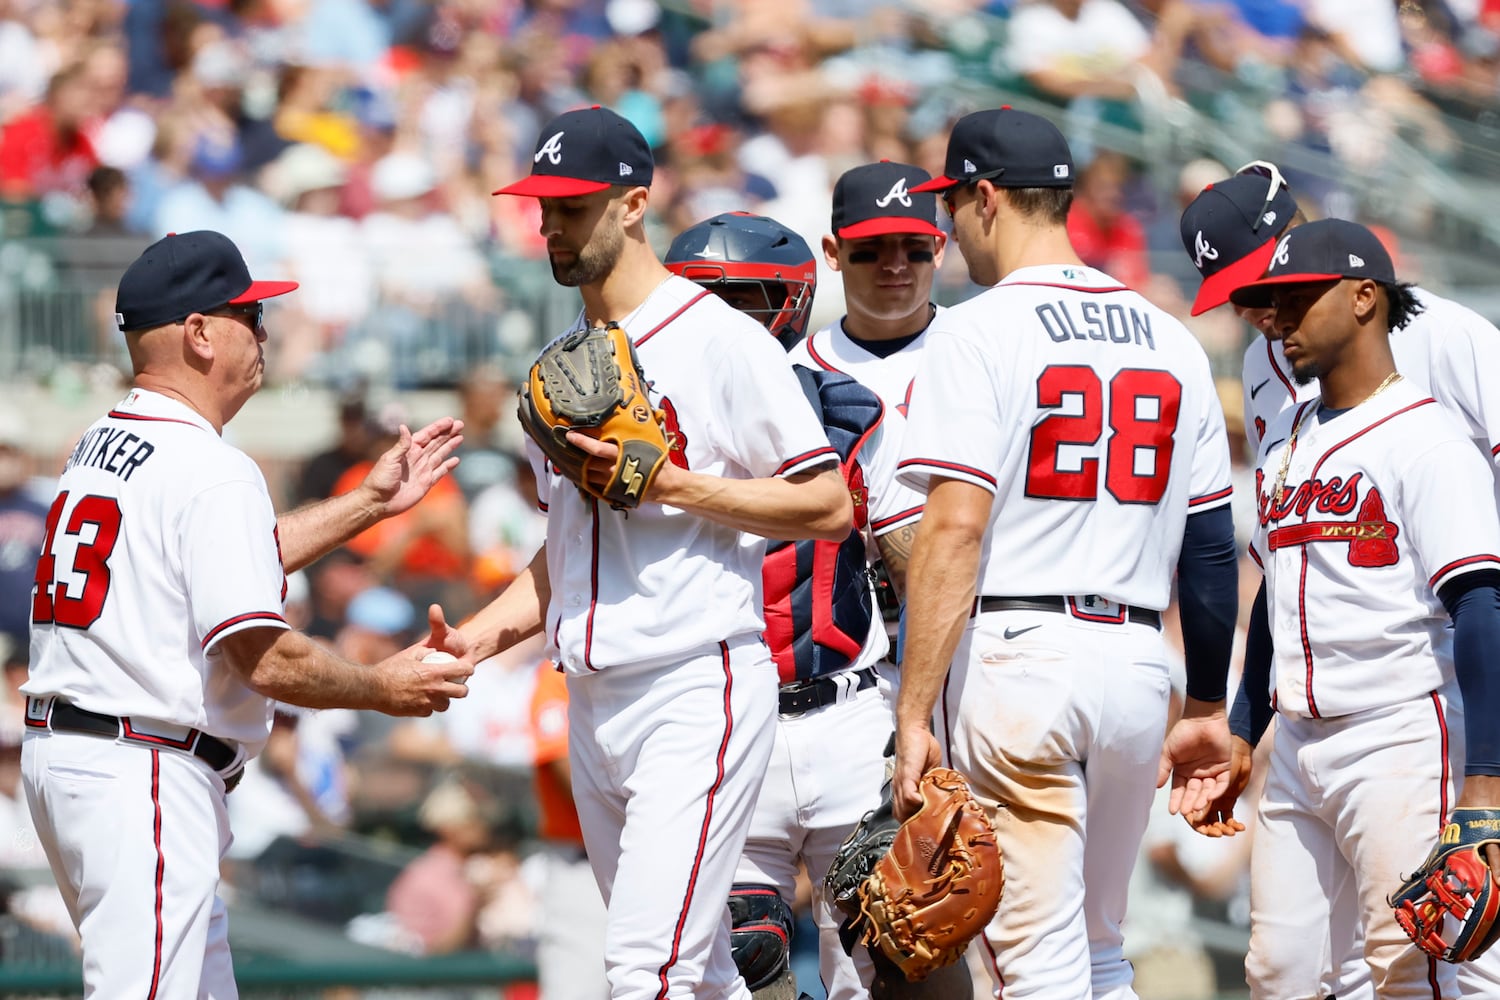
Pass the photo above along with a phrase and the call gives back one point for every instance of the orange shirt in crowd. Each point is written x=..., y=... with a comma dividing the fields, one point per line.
x=558, y=819
x=427, y=556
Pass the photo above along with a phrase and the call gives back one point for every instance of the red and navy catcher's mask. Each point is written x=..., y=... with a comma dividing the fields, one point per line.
x=738, y=251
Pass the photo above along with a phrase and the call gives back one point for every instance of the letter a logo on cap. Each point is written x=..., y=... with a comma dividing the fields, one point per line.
x=1283, y=252
x=896, y=193
x=1203, y=250
x=551, y=149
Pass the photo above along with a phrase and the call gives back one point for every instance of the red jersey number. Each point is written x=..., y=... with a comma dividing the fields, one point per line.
x=1143, y=405
x=53, y=602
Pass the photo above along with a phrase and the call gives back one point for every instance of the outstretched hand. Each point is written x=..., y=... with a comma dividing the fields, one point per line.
x=409, y=468
x=1196, y=757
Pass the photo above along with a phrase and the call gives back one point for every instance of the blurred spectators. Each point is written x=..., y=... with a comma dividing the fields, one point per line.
x=46, y=152
x=23, y=525
x=356, y=435
x=486, y=398
x=1105, y=235
x=215, y=196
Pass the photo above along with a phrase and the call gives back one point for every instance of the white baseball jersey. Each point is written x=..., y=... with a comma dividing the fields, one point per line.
x=1448, y=350
x=161, y=542
x=657, y=585
x=1378, y=513
x=1060, y=383
x=832, y=350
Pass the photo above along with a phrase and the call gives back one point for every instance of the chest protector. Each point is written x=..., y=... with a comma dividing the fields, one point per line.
x=817, y=594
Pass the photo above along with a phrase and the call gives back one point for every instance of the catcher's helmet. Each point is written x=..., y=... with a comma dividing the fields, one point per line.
x=737, y=251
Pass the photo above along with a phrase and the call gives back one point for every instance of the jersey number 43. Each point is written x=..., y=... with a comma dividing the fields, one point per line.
x=55, y=601
x=1143, y=404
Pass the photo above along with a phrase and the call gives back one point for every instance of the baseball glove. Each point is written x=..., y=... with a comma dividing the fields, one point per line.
x=1455, y=881
x=589, y=380
x=922, y=889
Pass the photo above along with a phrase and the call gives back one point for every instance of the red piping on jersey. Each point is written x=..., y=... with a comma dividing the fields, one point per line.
x=1442, y=721
x=588, y=631
x=806, y=456
x=1071, y=288
x=268, y=616
x=933, y=463
x=1307, y=656
x=896, y=518
x=121, y=415
x=1210, y=498
x=1280, y=375
x=685, y=307
x=1495, y=450
x=1250, y=550
x=708, y=815
x=161, y=869
x=822, y=362
x=1457, y=563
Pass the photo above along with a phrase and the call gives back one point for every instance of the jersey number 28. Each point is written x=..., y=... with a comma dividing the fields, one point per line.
x=53, y=600
x=1143, y=405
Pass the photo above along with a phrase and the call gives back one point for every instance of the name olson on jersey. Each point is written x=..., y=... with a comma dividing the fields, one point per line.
x=1109, y=321
x=112, y=450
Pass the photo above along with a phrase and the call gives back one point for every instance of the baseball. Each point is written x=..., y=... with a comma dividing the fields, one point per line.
x=438, y=656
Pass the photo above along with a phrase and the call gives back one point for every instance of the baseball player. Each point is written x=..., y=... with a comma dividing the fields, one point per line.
x=887, y=246
x=1070, y=442
x=1446, y=349
x=654, y=613
x=1366, y=498
x=823, y=628
x=157, y=637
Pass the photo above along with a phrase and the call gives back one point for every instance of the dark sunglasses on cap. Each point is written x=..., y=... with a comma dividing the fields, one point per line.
x=947, y=196
x=1268, y=170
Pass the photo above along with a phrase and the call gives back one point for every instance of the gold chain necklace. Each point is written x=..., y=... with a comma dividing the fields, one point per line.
x=1278, y=493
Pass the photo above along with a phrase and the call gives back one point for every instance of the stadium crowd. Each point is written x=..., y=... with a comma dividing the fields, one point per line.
x=352, y=145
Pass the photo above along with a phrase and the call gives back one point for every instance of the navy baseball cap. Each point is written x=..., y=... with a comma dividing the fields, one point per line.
x=583, y=151
x=878, y=198
x=1230, y=230
x=1008, y=148
x=184, y=273
x=1326, y=250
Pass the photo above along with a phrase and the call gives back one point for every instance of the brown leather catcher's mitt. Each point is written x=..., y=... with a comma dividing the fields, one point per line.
x=589, y=380
x=937, y=885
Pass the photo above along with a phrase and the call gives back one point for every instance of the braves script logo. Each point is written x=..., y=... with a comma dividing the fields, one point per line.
x=1202, y=250
x=1283, y=252
x=1371, y=535
x=551, y=149
x=896, y=193
x=676, y=440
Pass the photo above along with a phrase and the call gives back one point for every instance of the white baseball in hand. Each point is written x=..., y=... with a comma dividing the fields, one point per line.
x=438, y=656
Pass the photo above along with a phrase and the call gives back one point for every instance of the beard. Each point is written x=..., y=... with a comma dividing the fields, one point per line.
x=597, y=258
x=1307, y=371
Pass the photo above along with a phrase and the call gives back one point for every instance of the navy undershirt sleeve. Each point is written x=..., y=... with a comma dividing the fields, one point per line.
x=1208, y=583
x=1473, y=601
x=1252, y=712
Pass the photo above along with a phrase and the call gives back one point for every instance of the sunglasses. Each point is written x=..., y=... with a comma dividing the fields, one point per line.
x=253, y=314
x=947, y=196
x=1262, y=168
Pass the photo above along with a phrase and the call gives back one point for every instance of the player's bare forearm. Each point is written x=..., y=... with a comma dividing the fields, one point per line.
x=812, y=504
x=400, y=478
x=1481, y=791
x=895, y=552
x=941, y=579
x=518, y=613
x=290, y=667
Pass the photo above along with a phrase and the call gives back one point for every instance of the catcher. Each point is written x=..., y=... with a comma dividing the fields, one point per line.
x=1377, y=529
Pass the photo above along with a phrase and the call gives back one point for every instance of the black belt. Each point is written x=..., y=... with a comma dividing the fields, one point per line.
x=804, y=696
x=1140, y=616
x=214, y=752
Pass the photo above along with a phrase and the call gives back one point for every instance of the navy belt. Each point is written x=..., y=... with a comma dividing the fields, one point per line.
x=804, y=696
x=214, y=752
x=1061, y=605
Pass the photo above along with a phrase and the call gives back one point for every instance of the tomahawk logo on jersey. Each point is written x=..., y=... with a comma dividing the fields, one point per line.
x=1372, y=516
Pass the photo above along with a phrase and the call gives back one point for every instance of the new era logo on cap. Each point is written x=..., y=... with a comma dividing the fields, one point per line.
x=580, y=152
x=881, y=198
x=1326, y=250
x=1231, y=233
x=1009, y=148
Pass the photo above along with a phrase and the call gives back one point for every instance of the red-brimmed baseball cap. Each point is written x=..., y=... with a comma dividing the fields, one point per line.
x=1326, y=250
x=1008, y=148
x=184, y=273
x=583, y=151
x=879, y=198
x=1230, y=231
